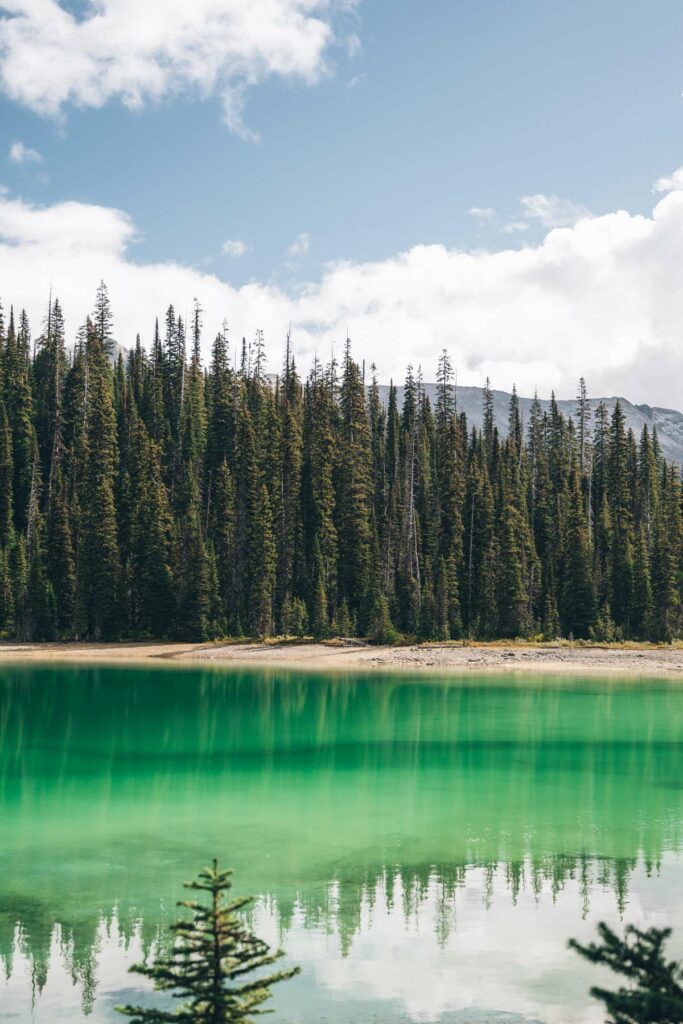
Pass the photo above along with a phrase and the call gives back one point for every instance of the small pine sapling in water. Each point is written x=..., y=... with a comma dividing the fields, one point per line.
x=655, y=993
x=216, y=966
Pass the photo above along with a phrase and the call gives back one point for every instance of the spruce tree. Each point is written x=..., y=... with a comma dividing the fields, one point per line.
x=19, y=406
x=355, y=520
x=98, y=554
x=216, y=966
x=262, y=564
x=60, y=564
x=6, y=480
x=578, y=598
x=318, y=500
x=655, y=991
x=287, y=472
x=152, y=599
x=222, y=534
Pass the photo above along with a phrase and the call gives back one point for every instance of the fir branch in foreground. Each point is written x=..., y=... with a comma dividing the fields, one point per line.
x=655, y=995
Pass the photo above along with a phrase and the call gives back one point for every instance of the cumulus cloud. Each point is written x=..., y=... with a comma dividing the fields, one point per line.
x=601, y=298
x=234, y=247
x=673, y=183
x=300, y=246
x=21, y=154
x=141, y=53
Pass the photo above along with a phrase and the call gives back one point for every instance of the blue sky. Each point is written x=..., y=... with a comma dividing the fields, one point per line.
x=455, y=105
x=409, y=116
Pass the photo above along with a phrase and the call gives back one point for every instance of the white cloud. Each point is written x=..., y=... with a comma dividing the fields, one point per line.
x=553, y=211
x=548, y=211
x=482, y=212
x=21, y=154
x=234, y=247
x=141, y=53
x=674, y=183
x=516, y=226
x=602, y=299
x=300, y=246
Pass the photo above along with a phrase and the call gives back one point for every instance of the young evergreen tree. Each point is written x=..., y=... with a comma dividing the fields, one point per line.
x=216, y=967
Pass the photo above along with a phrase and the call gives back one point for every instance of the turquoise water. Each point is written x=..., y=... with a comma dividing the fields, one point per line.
x=423, y=848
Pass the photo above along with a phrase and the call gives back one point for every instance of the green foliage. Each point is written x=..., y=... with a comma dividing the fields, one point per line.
x=216, y=966
x=152, y=497
x=382, y=630
x=655, y=991
x=293, y=616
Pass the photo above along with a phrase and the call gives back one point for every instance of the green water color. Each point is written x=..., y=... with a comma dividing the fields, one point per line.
x=405, y=838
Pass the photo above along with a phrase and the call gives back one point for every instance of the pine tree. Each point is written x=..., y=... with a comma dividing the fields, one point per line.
x=192, y=566
x=621, y=511
x=19, y=579
x=41, y=610
x=450, y=496
x=6, y=480
x=7, y=620
x=19, y=406
x=666, y=562
x=320, y=619
x=578, y=598
x=262, y=564
x=98, y=554
x=641, y=617
x=212, y=964
x=49, y=373
x=287, y=473
x=583, y=415
x=152, y=600
x=60, y=564
x=103, y=320
x=318, y=500
x=354, y=507
x=655, y=991
x=511, y=595
x=222, y=534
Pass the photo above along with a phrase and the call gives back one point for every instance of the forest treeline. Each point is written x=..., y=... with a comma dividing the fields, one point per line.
x=149, y=496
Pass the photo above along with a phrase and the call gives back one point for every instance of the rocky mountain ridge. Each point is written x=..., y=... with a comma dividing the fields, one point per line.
x=669, y=422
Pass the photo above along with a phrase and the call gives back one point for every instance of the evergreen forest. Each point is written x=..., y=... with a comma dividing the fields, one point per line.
x=145, y=495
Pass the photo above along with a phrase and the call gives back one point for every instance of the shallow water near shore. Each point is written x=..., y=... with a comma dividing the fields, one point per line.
x=422, y=848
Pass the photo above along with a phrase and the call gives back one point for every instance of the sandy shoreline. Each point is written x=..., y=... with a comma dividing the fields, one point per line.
x=632, y=660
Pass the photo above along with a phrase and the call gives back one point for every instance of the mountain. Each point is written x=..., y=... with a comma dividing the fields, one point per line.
x=669, y=422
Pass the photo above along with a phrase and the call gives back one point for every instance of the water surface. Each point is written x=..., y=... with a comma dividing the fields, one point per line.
x=422, y=847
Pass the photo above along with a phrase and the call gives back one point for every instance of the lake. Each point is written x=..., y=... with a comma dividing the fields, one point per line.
x=422, y=847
